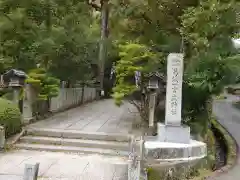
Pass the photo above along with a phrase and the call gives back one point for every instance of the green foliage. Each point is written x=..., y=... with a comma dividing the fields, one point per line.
x=153, y=174
x=133, y=57
x=204, y=29
x=211, y=61
x=210, y=22
x=4, y=91
x=46, y=85
x=8, y=96
x=10, y=117
x=60, y=36
x=211, y=149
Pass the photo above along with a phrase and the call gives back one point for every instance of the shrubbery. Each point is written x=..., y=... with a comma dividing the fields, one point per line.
x=10, y=117
x=6, y=93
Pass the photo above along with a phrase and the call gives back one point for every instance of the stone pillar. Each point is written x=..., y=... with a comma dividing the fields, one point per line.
x=136, y=169
x=152, y=103
x=174, y=89
x=2, y=137
x=31, y=172
x=16, y=93
x=172, y=130
x=27, y=104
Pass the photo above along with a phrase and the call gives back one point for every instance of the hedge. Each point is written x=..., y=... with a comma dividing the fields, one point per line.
x=10, y=117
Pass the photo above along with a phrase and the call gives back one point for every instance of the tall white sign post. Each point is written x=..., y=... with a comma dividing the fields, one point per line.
x=174, y=90
x=172, y=130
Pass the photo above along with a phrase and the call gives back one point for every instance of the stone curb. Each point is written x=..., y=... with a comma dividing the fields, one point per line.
x=227, y=167
x=16, y=138
x=164, y=152
x=75, y=134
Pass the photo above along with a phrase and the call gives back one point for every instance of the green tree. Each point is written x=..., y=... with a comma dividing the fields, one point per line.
x=203, y=29
x=45, y=85
x=60, y=36
x=134, y=57
x=211, y=61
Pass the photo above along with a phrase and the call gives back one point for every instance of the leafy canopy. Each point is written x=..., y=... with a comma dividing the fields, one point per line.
x=204, y=30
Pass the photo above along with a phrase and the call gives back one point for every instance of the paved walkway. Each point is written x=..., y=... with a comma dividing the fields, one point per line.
x=99, y=116
x=229, y=117
x=61, y=166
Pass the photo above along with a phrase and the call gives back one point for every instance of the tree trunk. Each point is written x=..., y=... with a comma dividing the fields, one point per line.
x=103, y=42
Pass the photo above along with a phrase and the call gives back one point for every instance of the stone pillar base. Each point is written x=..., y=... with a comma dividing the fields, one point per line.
x=26, y=121
x=173, y=134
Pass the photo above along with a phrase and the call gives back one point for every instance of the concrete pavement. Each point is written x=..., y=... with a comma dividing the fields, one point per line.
x=99, y=116
x=62, y=166
x=229, y=117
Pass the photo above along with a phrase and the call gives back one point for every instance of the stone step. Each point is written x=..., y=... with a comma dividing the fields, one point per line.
x=71, y=149
x=74, y=134
x=113, y=145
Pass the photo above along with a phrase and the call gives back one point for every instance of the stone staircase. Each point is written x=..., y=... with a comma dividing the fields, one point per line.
x=72, y=141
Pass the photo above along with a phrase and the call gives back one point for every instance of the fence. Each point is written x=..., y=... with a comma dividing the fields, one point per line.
x=67, y=98
x=70, y=97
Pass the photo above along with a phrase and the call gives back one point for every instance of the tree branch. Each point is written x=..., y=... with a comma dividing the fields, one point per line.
x=142, y=111
x=95, y=6
x=144, y=16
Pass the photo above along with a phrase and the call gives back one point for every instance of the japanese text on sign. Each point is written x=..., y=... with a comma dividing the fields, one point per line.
x=174, y=89
x=175, y=85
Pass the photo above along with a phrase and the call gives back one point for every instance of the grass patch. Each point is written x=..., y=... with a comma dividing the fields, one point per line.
x=203, y=173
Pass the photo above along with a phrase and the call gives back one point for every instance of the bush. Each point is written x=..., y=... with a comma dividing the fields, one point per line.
x=8, y=96
x=4, y=91
x=10, y=117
